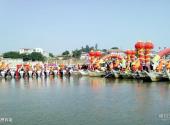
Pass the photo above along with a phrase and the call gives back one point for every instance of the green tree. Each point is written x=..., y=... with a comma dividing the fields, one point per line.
x=87, y=49
x=104, y=50
x=37, y=56
x=33, y=56
x=66, y=53
x=51, y=55
x=92, y=48
x=82, y=49
x=76, y=53
x=12, y=54
x=25, y=57
x=114, y=48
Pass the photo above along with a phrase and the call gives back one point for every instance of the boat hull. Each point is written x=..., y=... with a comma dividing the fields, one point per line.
x=96, y=73
x=154, y=77
x=84, y=73
x=168, y=74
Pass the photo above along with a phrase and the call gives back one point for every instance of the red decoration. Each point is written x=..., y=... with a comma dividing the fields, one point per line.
x=149, y=45
x=128, y=52
x=97, y=54
x=140, y=45
x=164, y=52
x=147, y=56
x=133, y=52
x=132, y=56
x=92, y=53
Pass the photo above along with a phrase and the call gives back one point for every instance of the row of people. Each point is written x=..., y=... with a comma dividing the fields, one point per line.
x=34, y=74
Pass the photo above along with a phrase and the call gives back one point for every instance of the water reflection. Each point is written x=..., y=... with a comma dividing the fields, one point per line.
x=93, y=82
x=91, y=99
x=97, y=83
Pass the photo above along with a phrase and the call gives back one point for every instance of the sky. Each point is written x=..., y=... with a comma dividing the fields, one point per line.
x=59, y=25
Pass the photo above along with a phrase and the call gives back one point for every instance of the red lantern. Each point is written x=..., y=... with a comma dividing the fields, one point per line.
x=128, y=52
x=91, y=53
x=133, y=52
x=98, y=53
x=132, y=56
x=95, y=54
x=149, y=45
x=139, y=45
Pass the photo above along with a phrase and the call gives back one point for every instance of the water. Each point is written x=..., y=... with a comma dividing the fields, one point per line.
x=84, y=101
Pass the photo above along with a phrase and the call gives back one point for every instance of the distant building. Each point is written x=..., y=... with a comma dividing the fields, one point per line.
x=116, y=51
x=38, y=50
x=29, y=51
x=25, y=51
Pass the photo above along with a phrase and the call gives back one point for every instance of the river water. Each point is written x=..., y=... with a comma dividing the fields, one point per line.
x=84, y=101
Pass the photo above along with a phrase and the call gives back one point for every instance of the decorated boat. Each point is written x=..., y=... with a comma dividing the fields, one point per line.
x=96, y=73
x=112, y=74
x=116, y=74
x=168, y=74
x=75, y=72
x=154, y=76
x=84, y=72
x=126, y=75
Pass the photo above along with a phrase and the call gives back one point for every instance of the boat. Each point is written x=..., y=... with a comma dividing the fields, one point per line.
x=167, y=74
x=116, y=74
x=109, y=74
x=142, y=74
x=75, y=72
x=154, y=76
x=112, y=74
x=126, y=75
x=84, y=72
x=96, y=73
x=135, y=75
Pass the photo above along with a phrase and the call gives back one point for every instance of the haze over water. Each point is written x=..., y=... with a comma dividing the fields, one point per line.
x=84, y=101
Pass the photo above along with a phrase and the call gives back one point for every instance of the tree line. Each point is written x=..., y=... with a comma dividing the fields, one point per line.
x=77, y=52
x=34, y=56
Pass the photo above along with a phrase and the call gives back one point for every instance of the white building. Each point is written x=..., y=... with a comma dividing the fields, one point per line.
x=29, y=51
x=38, y=50
x=25, y=51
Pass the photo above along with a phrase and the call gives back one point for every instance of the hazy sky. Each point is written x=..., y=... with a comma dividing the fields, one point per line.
x=57, y=25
